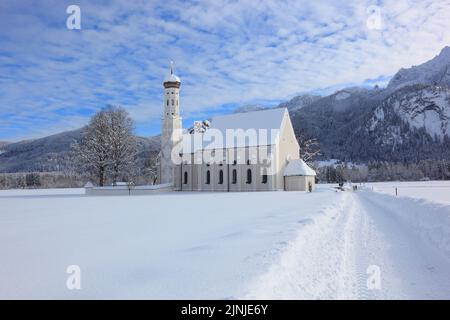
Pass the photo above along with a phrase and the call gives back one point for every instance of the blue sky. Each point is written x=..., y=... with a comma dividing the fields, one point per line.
x=227, y=53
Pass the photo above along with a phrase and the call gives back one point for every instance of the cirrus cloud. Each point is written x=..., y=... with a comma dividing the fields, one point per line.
x=226, y=52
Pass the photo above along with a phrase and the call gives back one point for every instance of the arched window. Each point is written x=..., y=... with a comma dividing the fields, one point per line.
x=249, y=176
x=221, y=177
x=173, y=102
x=249, y=162
x=208, y=177
x=264, y=178
x=234, y=176
x=167, y=102
x=185, y=178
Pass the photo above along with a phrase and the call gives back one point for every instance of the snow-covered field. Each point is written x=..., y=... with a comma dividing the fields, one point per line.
x=224, y=245
x=437, y=191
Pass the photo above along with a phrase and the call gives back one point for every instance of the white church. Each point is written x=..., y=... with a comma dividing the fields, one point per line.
x=253, y=151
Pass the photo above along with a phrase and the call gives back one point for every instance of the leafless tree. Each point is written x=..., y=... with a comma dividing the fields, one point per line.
x=92, y=153
x=108, y=146
x=122, y=142
x=150, y=169
x=309, y=148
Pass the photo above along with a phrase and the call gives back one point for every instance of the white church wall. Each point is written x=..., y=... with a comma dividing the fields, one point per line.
x=287, y=148
x=299, y=183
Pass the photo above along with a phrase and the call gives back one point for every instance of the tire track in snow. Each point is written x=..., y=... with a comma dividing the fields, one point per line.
x=410, y=269
x=319, y=263
x=330, y=257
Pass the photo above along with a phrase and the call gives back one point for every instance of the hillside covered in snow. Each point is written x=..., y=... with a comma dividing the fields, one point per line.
x=53, y=153
x=406, y=122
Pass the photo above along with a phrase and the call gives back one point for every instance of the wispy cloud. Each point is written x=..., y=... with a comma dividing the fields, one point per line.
x=226, y=52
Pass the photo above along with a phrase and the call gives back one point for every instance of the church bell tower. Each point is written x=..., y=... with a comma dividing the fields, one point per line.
x=171, y=131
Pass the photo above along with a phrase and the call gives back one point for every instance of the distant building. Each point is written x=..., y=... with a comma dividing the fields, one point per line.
x=254, y=151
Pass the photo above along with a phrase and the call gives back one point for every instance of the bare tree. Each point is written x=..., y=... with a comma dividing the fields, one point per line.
x=122, y=143
x=309, y=148
x=92, y=152
x=150, y=167
x=108, y=146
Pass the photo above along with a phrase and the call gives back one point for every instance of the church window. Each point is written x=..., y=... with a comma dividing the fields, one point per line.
x=185, y=178
x=208, y=177
x=221, y=177
x=249, y=176
x=234, y=176
x=264, y=178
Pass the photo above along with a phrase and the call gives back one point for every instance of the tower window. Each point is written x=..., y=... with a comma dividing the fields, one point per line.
x=221, y=177
x=249, y=176
x=185, y=178
x=234, y=180
x=167, y=102
x=173, y=102
x=208, y=177
x=248, y=162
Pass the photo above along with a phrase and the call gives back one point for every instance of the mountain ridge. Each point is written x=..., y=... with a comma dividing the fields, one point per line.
x=407, y=121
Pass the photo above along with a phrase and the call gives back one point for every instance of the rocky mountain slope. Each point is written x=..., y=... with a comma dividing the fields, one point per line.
x=434, y=72
x=408, y=121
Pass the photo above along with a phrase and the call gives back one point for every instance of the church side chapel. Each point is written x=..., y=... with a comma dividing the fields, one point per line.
x=253, y=151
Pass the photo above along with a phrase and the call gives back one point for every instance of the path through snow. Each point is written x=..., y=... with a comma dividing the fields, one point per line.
x=331, y=255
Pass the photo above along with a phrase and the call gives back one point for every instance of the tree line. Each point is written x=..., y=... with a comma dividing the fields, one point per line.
x=385, y=171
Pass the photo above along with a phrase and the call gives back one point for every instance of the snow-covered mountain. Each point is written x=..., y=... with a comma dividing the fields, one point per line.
x=52, y=153
x=421, y=107
x=408, y=121
x=249, y=108
x=299, y=102
x=434, y=72
x=3, y=144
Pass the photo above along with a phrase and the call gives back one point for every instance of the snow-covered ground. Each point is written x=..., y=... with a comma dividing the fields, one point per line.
x=437, y=191
x=224, y=245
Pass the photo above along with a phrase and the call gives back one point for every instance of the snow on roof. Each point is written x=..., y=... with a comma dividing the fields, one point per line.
x=260, y=119
x=171, y=77
x=298, y=167
x=260, y=127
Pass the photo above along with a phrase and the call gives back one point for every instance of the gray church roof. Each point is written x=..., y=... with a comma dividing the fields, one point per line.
x=258, y=128
x=261, y=119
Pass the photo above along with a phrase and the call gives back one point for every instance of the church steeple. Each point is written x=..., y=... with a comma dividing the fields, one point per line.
x=171, y=130
x=171, y=80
